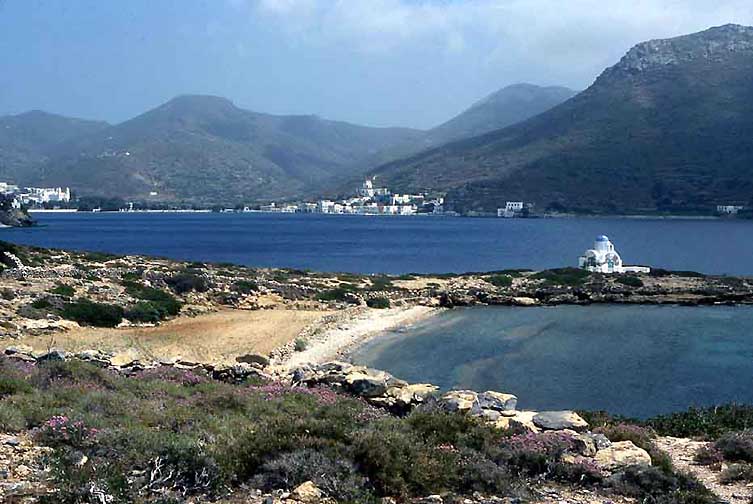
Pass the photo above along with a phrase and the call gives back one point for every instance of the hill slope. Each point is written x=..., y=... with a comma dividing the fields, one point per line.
x=206, y=149
x=508, y=106
x=670, y=126
x=28, y=139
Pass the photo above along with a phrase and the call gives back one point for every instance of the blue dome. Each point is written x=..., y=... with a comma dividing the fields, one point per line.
x=602, y=238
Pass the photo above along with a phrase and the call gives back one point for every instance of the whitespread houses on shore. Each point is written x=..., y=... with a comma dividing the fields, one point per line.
x=35, y=196
x=369, y=200
x=603, y=258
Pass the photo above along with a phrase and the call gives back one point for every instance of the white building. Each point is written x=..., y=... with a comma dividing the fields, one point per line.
x=603, y=258
x=511, y=209
x=367, y=189
x=729, y=209
x=325, y=206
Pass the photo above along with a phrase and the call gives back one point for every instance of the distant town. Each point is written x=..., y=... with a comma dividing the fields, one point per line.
x=367, y=200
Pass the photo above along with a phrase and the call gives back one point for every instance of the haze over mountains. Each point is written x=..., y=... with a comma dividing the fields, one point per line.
x=205, y=149
x=668, y=127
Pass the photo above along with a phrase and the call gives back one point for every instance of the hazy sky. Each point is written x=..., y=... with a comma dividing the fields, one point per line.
x=376, y=62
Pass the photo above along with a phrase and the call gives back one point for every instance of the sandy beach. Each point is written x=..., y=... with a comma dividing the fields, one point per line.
x=332, y=342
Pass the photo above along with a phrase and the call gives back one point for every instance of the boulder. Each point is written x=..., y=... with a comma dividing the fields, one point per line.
x=525, y=301
x=459, y=400
x=53, y=355
x=411, y=395
x=307, y=492
x=620, y=455
x=521, y=421
x=371, y=382
x=19, y=349
x=497, y=401
x=253, y=358
x=560, y=420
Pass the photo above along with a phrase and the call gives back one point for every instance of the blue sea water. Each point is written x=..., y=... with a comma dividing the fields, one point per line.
x=632, y=360
x=397, y=244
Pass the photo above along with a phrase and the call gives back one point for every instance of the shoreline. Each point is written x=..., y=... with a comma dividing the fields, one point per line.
x=331, y=340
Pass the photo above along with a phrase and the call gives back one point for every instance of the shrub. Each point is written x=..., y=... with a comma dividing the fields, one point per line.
x=11, y=418
x=144, y=312
x=300, y=345
x=736, y=446
x=186, y=282
x=378, y=302
x=336, y=476
x=563, y=276
x=500, y=280
x=630, y=281
x=60, y=430
x=245, y=286
x=63, y=290
x=341, y=293
x=87, y=312
x=41, y=303
x=709, y=423
x=163, y=302
x=653, y=485
x=10, y=385
x=380, y=283
x=736, y=472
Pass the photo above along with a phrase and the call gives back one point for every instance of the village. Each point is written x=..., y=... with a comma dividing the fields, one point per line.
x=36, y=196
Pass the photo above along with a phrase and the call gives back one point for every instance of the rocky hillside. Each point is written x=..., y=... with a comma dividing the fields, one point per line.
x=510, y=105
x=667, y=128
x=206, y=149
x=30, y=139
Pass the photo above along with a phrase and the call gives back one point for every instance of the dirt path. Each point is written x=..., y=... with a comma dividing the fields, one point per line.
x=683, y=452
x=215, y=337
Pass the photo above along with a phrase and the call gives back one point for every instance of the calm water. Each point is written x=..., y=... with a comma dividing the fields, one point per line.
x=397, y=244
x=632, y=360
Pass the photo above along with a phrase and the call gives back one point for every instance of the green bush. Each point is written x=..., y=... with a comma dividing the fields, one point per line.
x=500, y=280
x=41, y=303
x=186, y=282
x=630, y=281
x=378, y=302
x=11, y=418
x=709, y=423
x=245, y=286
x=563, y=276
x=63, y=290
x=736, y=446
x=144, y=312
x=380, y=283
x=87, y=312
x=300, y=345
x=163, y=302
x=340, y=293
x=736, y=472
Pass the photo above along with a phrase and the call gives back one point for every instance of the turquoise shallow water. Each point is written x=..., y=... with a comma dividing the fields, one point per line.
x=630, y=360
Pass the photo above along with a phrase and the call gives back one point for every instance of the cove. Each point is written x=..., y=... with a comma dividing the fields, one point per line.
x=637, y=361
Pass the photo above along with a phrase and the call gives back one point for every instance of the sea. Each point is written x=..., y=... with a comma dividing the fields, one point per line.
x=637, y=361
x=396, y=245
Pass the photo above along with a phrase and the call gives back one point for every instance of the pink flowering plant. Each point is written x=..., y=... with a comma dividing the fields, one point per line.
x=62, y=431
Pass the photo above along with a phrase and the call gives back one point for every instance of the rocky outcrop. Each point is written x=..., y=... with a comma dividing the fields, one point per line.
x=621, y=455
x=15, y=218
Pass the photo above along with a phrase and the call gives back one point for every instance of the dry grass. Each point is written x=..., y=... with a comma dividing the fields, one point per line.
x=215, y=337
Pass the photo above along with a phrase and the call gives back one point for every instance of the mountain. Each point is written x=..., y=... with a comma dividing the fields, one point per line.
x=669, y=127
x=205, y=149
x=29, y=139
x=508, y=106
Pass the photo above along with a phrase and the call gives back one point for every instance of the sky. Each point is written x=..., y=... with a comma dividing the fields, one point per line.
x=412, y=63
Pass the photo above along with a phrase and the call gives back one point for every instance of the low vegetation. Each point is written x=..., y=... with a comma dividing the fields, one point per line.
x=629, y=280
x=501, y=280
x=165, y=435
x=563, y=276
x=87, y=312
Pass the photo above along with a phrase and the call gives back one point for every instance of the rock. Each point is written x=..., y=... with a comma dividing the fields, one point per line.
x=370, y=382
x=560, y=420
x=459, y=400
x=411, y=395
x=584, y=444
x=307, y=492
x=524, y=301
x=19, y=349
x=521, y=421
x=12, y=441
x=600, y=440
x=497, y=401
x=620, y=455
x=53, y=355
x=253, y=359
